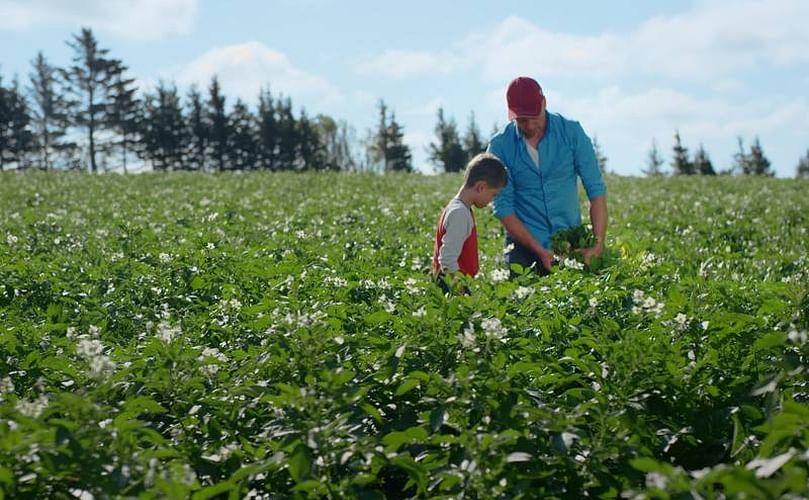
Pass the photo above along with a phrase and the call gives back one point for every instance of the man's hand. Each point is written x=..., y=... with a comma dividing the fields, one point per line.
x=546, y=257
x=589, y=253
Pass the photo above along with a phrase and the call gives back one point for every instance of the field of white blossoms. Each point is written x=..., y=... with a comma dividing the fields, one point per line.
x=277, y=335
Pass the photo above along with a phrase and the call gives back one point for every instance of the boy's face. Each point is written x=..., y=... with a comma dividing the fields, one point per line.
x=484, y=194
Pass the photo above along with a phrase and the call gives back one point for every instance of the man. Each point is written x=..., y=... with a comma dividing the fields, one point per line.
x=545, y=154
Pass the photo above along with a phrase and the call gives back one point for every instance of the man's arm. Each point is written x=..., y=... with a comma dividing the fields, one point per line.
x=599, y=219
x=517, y=230
x=587, y=168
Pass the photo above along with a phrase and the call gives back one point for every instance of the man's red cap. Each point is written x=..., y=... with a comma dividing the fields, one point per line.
x=524, y=97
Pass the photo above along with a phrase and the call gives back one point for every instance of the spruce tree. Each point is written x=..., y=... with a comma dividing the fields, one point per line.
x=758, y=162
x=379, y=139
x=124, y=114
x=386, y=147
x=16, y=135
x=702, y=163
x=472, y=142
x=311, y=151
x=397, y=156
x=741, y=160
x=242, y=141
x=653, y=162
x=199, y=130
x=802, y=169
x=288, y=140
x=680, y=163
x=447, y=153
x=164, y=132
x=267, y=131
x=218, y=119
x=89, y=81
x=49, y=113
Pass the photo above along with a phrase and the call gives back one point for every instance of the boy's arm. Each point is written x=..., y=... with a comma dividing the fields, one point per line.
x=457, y=228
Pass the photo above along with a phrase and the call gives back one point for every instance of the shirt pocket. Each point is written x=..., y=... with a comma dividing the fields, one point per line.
x=559, y=165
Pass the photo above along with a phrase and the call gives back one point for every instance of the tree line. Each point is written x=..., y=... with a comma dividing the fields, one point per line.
x=91, y=116
x=751, y=162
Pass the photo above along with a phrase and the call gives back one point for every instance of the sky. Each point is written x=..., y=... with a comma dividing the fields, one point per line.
x=631, y=72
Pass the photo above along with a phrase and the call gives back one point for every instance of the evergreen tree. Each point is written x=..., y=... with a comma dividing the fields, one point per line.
x=379, y=139
x=16, y=137
x=311, y=151
x=702, y=163
x=803, y=166
x=199, y=129
x=386, y=147
x=653, y=162
x=242, y=141
x=472, y=142
x=448, y=153
x=397, y=156
x=164, y=133
x=89, y=81
x=288, y=140
x=49, y=113
x=680, y=163
x=124, y=113
x=758, y=162
x=218, y=119
x=741, y=161
x=600, y=158
x=267, y=131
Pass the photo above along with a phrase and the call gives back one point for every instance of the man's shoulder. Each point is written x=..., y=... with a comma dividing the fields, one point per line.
x=565, y=125
x=507, y=133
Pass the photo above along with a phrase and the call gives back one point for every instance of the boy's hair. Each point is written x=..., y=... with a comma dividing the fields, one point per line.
x=485, y=167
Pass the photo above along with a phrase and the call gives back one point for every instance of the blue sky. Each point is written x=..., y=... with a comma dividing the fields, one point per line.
x=630, y=71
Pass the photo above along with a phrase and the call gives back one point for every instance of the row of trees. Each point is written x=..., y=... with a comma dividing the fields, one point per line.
x=752, y=162
x=450, y=152
x=90, y=115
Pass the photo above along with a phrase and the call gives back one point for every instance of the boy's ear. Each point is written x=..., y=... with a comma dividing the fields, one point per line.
x=481, y=185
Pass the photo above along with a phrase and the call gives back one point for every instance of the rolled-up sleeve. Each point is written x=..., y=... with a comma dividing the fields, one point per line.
x=586, y=164
x=503, y=203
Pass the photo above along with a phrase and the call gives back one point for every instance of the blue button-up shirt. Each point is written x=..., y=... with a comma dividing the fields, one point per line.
x=545, y=198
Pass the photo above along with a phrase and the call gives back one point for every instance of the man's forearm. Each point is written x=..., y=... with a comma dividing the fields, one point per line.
x=599, y=218
x=517, y=230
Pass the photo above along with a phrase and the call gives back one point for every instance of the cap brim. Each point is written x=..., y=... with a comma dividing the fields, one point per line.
x=524, y=112
x=512, y=114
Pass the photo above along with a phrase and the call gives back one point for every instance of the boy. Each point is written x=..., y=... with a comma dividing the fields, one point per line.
x=456, y=244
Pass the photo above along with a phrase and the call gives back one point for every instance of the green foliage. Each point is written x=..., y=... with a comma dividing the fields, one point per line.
x=566, y=241
x=176, y=335
x=448, y=153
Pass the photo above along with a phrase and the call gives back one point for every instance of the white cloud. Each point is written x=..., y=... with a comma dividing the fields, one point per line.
x=408, y=63
x=706, y=43
x=626, y=122
x=429, y=108
x=137, y=19
x=244, y=69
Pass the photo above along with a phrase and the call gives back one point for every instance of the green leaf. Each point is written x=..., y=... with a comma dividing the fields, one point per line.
x=300, y=463
x=407, y=386
x=213, y=491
